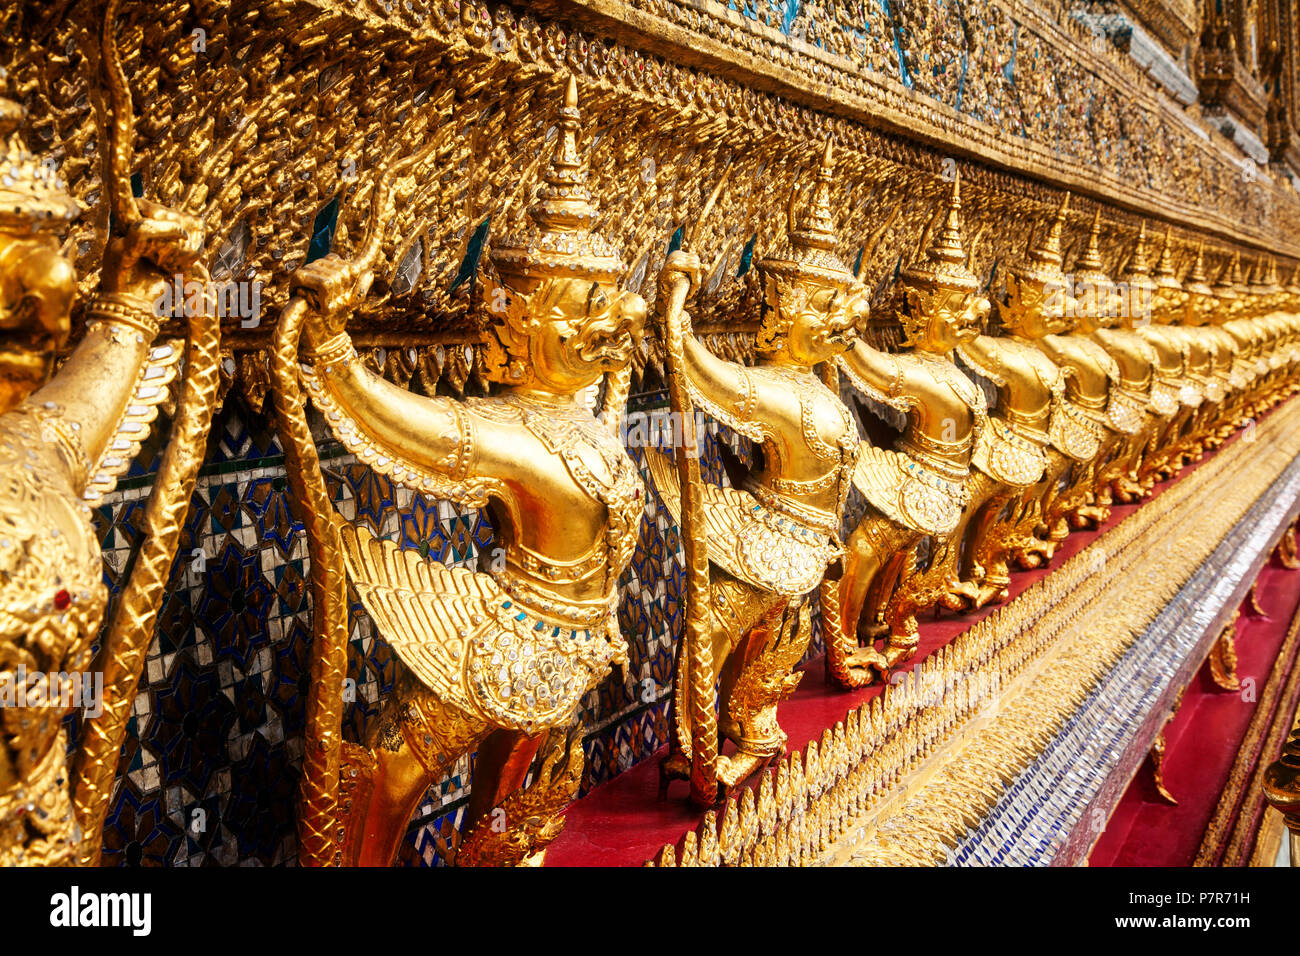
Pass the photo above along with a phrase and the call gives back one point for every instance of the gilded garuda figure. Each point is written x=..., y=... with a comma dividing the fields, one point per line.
x=1090, y=374
x=64, y=441
x=492, y=660
x=753, y=553
x=1207, y=428
x=1095, y=302
x=1031, y=416
x=1178, y=368
x=919, y=488
x=1137, y=387
x=1036, y=313
x=1221, y=311
x=1238, y=308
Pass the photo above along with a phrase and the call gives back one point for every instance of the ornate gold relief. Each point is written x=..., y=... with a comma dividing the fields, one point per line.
x=67, y=438
x=492, y=660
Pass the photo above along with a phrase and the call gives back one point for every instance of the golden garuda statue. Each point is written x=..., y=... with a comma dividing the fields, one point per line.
x=1031, y=427
x=1035, y=314
x=753, y=553
x=1091, y=380
x=1156, y=401
x=1207, y=428
x=493, y=661
x=65, y=439
x=919, y=488
x=1229, y=303
x=1178, y=367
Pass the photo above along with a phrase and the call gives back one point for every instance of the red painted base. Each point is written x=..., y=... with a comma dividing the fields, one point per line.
x=1201, y=743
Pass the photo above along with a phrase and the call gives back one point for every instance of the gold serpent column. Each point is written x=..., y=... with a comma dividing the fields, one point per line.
x=131, y=629
x=318, y=842
x=839, y=646
x=132, y=626
x=694, y=697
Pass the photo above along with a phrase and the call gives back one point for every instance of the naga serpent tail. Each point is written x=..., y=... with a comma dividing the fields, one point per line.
x=131, y=629
x=318, y=822
x=694, y=710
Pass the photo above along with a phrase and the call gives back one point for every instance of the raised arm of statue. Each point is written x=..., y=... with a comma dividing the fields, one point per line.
x=389, y=427
x=724, y=389
x=878, y=374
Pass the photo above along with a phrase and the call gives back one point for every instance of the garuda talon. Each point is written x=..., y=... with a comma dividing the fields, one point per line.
x=65, y=439
x=920, y=487
x=495, y=660
x=754, y=552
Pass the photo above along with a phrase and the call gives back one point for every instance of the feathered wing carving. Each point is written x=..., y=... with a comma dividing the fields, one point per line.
x=889, y=481
x=746, y=540
x=422, y=608
x=467, y=641
x=152, y=389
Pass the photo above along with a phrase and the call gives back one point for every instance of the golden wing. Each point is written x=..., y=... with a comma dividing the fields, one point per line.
x=473, y=646
x=152, y=388
x=745, y=539
x=891, y=483
x=427, y=612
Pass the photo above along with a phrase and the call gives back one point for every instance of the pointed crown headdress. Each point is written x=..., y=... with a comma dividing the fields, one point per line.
x=561, y=242
x=1089, y=268
x=944, y=266
x=1228, y=285
x=1043, y=263
x=1197, y=282
x=809, y=250
x=1138, y=273
x=1166, y=274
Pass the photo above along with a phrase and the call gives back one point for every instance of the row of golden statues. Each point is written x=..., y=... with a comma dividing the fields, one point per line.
x=1102, y=390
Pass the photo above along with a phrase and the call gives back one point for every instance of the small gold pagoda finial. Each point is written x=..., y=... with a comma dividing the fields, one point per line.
x=1091, y=261
x=1197, y=276
x=809, y=250
x=1048, y=252
x=1139, y=265
x=561, y=242
x=1166, y=269
x=1198, y=266
x=947, y=245
x=944, y=265
x=1229, y=281
x=817, y=228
